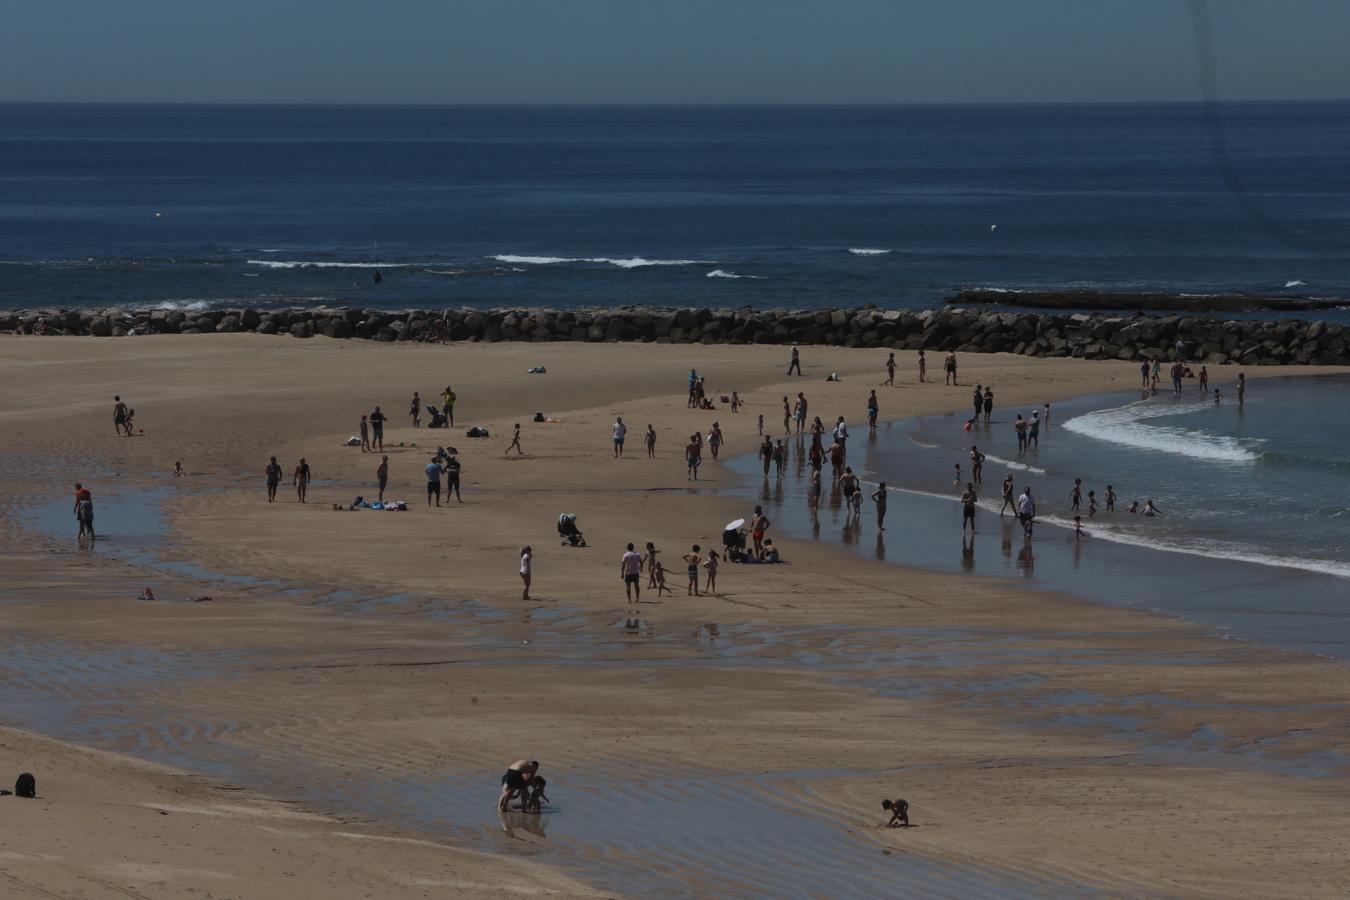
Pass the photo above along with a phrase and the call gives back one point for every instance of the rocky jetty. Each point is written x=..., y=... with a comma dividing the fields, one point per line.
x=1207, y=339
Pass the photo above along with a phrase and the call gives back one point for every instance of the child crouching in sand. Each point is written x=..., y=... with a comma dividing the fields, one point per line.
x=899, y=810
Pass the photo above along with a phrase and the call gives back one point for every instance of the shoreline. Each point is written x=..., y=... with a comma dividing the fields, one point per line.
x=770, y=679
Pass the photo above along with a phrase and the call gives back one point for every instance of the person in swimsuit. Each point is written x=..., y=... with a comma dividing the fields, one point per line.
x=1092, y=504
x=179, y=471
x=516, y=781
x=799, y=412
x=796, y=362
x=515, y=442
x=300, y=479
x=779, y=457
x=715, y=439
x=923, y=366
x=976, y=464
x=415, y=410
x=787, y=415
x=816, y=487
x=711, y=564
x=120, y=417
x=1241, y=388
x=968, y=500
x=760, y=426
x=1026, y=511
x=1020, y=426
x=630, y=570
x=365, y=435
x=890, y=371
x=84, y=510
x=619, y=431
x=1150, y=509
x=1034, y=431
x=759, y=524
x=1143, y=373
x=273, y=479
x=382, y=476
x=817, y=431
x=950, y=366
x=899, y=810
x=1110, y=498
x=1204, y=380
x=1078, y=532
x=377, y=419
x=872, y=411
x=978, y=400
x=836, y=460
x=988, y=403
x=693, y=389
x=879, y=498
x=693, y=457
x=452, y=468
x=651, y=442
x=1076, y=495
x=735, y=403
x=526, y=570
x=649, y=563
x=815, y=457
x=1007, y=496
x=692, y=560
x=766, y=455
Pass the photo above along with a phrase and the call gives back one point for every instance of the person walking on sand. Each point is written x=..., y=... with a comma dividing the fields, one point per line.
x=968, y=501
x=448, y=405
x=273, y=479
x=515, y=442
x=796, y=363
x=365, y=435
x=692, y=559
x=988, y=402
x=1007, y=496
x=415, y=410
x=923, y=366
x=693, y=457
x=119, y=416
x=651, y=442
x=872, y=411
x=890, y=371
x=382, y=476
x=619, y=431
x=377, y=431
x=715, y=439
x=434, y=482
x=526, y=570
x=711, y=564
x=649, y=563
x=879, y=498
x=300, y=479
x=950, y=366
x=630, y=570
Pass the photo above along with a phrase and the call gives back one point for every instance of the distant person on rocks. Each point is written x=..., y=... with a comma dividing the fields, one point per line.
x=415, y=410
x=377, y=419
x=619, y=431
x=300, y=479
x=950, y=367
x=273, y=479
x=382, y=476
x=526, y=570
x=630, y=570
x=796, y=362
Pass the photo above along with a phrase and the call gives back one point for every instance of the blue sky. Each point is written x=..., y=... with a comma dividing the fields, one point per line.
x=692, y=51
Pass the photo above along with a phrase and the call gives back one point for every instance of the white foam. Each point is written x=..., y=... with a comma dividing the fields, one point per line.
x=634, y=262
x=1127, y=426
x=1295, y=283
x=868, y=251
x=309, y=264
x=721, y=273
x=1012, y=464
x=183, y=305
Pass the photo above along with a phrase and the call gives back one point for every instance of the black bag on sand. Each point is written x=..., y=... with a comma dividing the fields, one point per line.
x=26, y=786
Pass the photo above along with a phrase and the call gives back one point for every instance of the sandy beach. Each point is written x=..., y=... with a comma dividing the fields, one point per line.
x=339, y=712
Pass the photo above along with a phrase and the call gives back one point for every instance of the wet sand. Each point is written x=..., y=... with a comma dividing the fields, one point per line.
x=381, y=667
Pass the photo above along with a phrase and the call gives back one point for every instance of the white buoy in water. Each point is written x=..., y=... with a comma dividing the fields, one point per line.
x=993, y=228
x=159, y=215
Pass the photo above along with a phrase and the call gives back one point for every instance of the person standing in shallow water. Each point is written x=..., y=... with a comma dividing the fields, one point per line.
x=879, y=498
x=872, y=411
x=526, y=570
x=988, y=402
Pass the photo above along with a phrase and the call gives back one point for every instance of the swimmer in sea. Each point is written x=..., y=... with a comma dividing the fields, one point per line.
x=1110, y=499
x=1092, y=503
x=1133, y=507
x=1151, y=510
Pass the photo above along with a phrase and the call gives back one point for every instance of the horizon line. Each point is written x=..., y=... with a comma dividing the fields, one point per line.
x=746, y=104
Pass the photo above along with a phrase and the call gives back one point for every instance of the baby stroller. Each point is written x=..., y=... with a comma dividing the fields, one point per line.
x=733, y=541
x=567, y=527
x=438, y=419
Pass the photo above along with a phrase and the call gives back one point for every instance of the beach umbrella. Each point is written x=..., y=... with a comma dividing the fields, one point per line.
x=734, y=524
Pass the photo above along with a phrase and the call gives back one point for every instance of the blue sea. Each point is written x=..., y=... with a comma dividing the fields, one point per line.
x=1254, y=535
x=765, y=206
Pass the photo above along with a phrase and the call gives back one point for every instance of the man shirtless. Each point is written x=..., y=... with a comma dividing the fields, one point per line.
x=515, y=783
x=301, y=478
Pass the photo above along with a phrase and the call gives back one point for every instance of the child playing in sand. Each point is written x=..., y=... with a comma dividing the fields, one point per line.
x=692, y=559
x=899, y=810
x=536, y=797
x=178, y=470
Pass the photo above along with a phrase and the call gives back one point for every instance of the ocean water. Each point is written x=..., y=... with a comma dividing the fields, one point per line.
x=1254, y=537
x=798, y=207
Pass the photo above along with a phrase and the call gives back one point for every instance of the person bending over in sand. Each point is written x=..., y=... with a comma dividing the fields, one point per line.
x=537, y=797
x=516, y=782
x=178, y=470
x=899, y=810
x=515, y=442
x=301, y=478
x=879, y=498
x=692, y=560
x=526, y=570
x=630, y=570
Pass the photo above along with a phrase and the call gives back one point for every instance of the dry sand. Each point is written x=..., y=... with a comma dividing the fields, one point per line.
x=702, y=745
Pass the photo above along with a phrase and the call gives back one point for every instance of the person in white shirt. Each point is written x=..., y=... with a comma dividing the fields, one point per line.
x=620, y=430
x=630, y=569
x=526, y=569
x=1026, y=510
